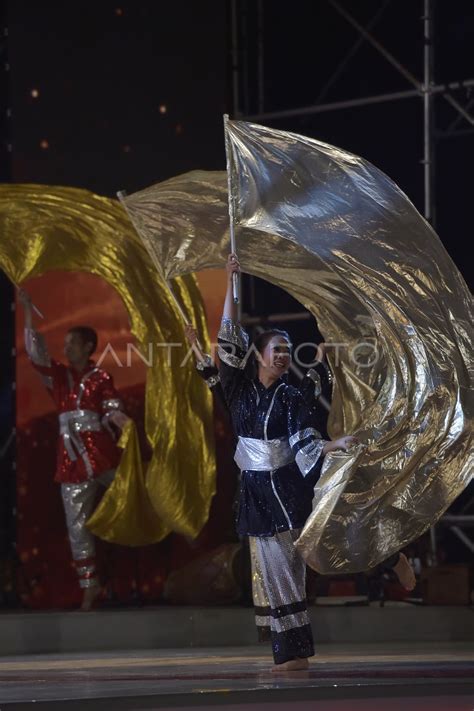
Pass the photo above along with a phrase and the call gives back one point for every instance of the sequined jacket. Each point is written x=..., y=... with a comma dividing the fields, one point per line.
x=278, y=451
x=84, y=401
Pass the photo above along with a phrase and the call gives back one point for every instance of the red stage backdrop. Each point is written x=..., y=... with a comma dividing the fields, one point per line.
x=46, y=578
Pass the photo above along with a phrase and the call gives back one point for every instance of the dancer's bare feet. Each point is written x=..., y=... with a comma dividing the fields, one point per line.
x=292, y=665
x=405, y=572
x=89, y=597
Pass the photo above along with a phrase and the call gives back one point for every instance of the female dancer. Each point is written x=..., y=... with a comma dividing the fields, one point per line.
x=280, y=454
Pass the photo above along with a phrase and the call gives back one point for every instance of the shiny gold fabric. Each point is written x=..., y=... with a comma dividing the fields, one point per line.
x=125, y=514
x=341, y=237
x=45, y=228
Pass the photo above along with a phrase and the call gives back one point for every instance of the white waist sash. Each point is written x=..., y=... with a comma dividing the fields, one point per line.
x=263, y=455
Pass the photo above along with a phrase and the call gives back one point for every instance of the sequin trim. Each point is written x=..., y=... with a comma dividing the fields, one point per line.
x=256, y=393
x=314, y=377
x=303, y=434
x=269, y=411
x=206, y=363
x=285, y=512
x=114, y=404
x=284, y=624
x=308, y=455
x=85, y=571
x=79, y=421
x=87, y=576
x=70, y=424
x=229, y=359
x=233, y=332
x=329, y=374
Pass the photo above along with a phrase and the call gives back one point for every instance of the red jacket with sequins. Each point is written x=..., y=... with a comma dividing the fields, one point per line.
x=84, y=400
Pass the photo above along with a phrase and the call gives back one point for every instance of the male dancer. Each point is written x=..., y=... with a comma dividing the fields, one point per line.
x=87, y=403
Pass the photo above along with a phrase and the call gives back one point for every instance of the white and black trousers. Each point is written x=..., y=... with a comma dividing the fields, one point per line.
x=281, y=573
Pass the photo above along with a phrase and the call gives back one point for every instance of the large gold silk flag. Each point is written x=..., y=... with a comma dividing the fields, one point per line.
x=45, y=228
x=342, y=238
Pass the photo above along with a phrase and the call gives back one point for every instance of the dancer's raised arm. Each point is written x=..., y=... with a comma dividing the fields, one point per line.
x=232, y=339
x=35, y=345
x=230, y=308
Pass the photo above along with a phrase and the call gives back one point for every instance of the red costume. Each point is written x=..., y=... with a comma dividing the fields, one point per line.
x=87, y=454
x=84, y=401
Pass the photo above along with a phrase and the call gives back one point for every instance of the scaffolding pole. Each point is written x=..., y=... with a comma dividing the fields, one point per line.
x=367, y=101
x=428, y=164
x=234, y=41
x=260, y=58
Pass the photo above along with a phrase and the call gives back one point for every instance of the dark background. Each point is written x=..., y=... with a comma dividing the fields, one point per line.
x=103, y=69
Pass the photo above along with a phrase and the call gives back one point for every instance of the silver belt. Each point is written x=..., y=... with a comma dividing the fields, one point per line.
x=73, y=422
x=263, y=455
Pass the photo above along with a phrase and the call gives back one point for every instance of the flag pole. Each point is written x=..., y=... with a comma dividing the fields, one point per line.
x=233, y=247
x=121, y=194
x=18, y=288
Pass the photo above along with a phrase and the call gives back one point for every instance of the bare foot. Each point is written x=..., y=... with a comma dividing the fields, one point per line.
x=405, y=573
x=89, y=597
x=292, y=665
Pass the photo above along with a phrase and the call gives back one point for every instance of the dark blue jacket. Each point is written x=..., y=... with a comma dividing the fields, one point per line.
x=278, y=500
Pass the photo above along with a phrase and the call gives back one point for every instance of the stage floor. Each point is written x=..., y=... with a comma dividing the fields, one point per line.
x=341, y=678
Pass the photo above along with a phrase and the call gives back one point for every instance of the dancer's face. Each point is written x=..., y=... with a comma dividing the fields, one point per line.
x=276, y=357
x=76, y=351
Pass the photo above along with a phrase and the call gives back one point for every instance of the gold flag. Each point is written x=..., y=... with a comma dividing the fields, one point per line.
x=45, y=228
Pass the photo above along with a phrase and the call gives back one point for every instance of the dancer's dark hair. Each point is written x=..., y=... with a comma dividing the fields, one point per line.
x=87, y=334
x=264, y=338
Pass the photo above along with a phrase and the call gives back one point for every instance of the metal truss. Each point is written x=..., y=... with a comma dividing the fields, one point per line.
x=460, y=524
x=426, y=89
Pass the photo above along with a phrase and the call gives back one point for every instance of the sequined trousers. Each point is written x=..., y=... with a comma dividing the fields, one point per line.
x=279, y=590
x=79, y=502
